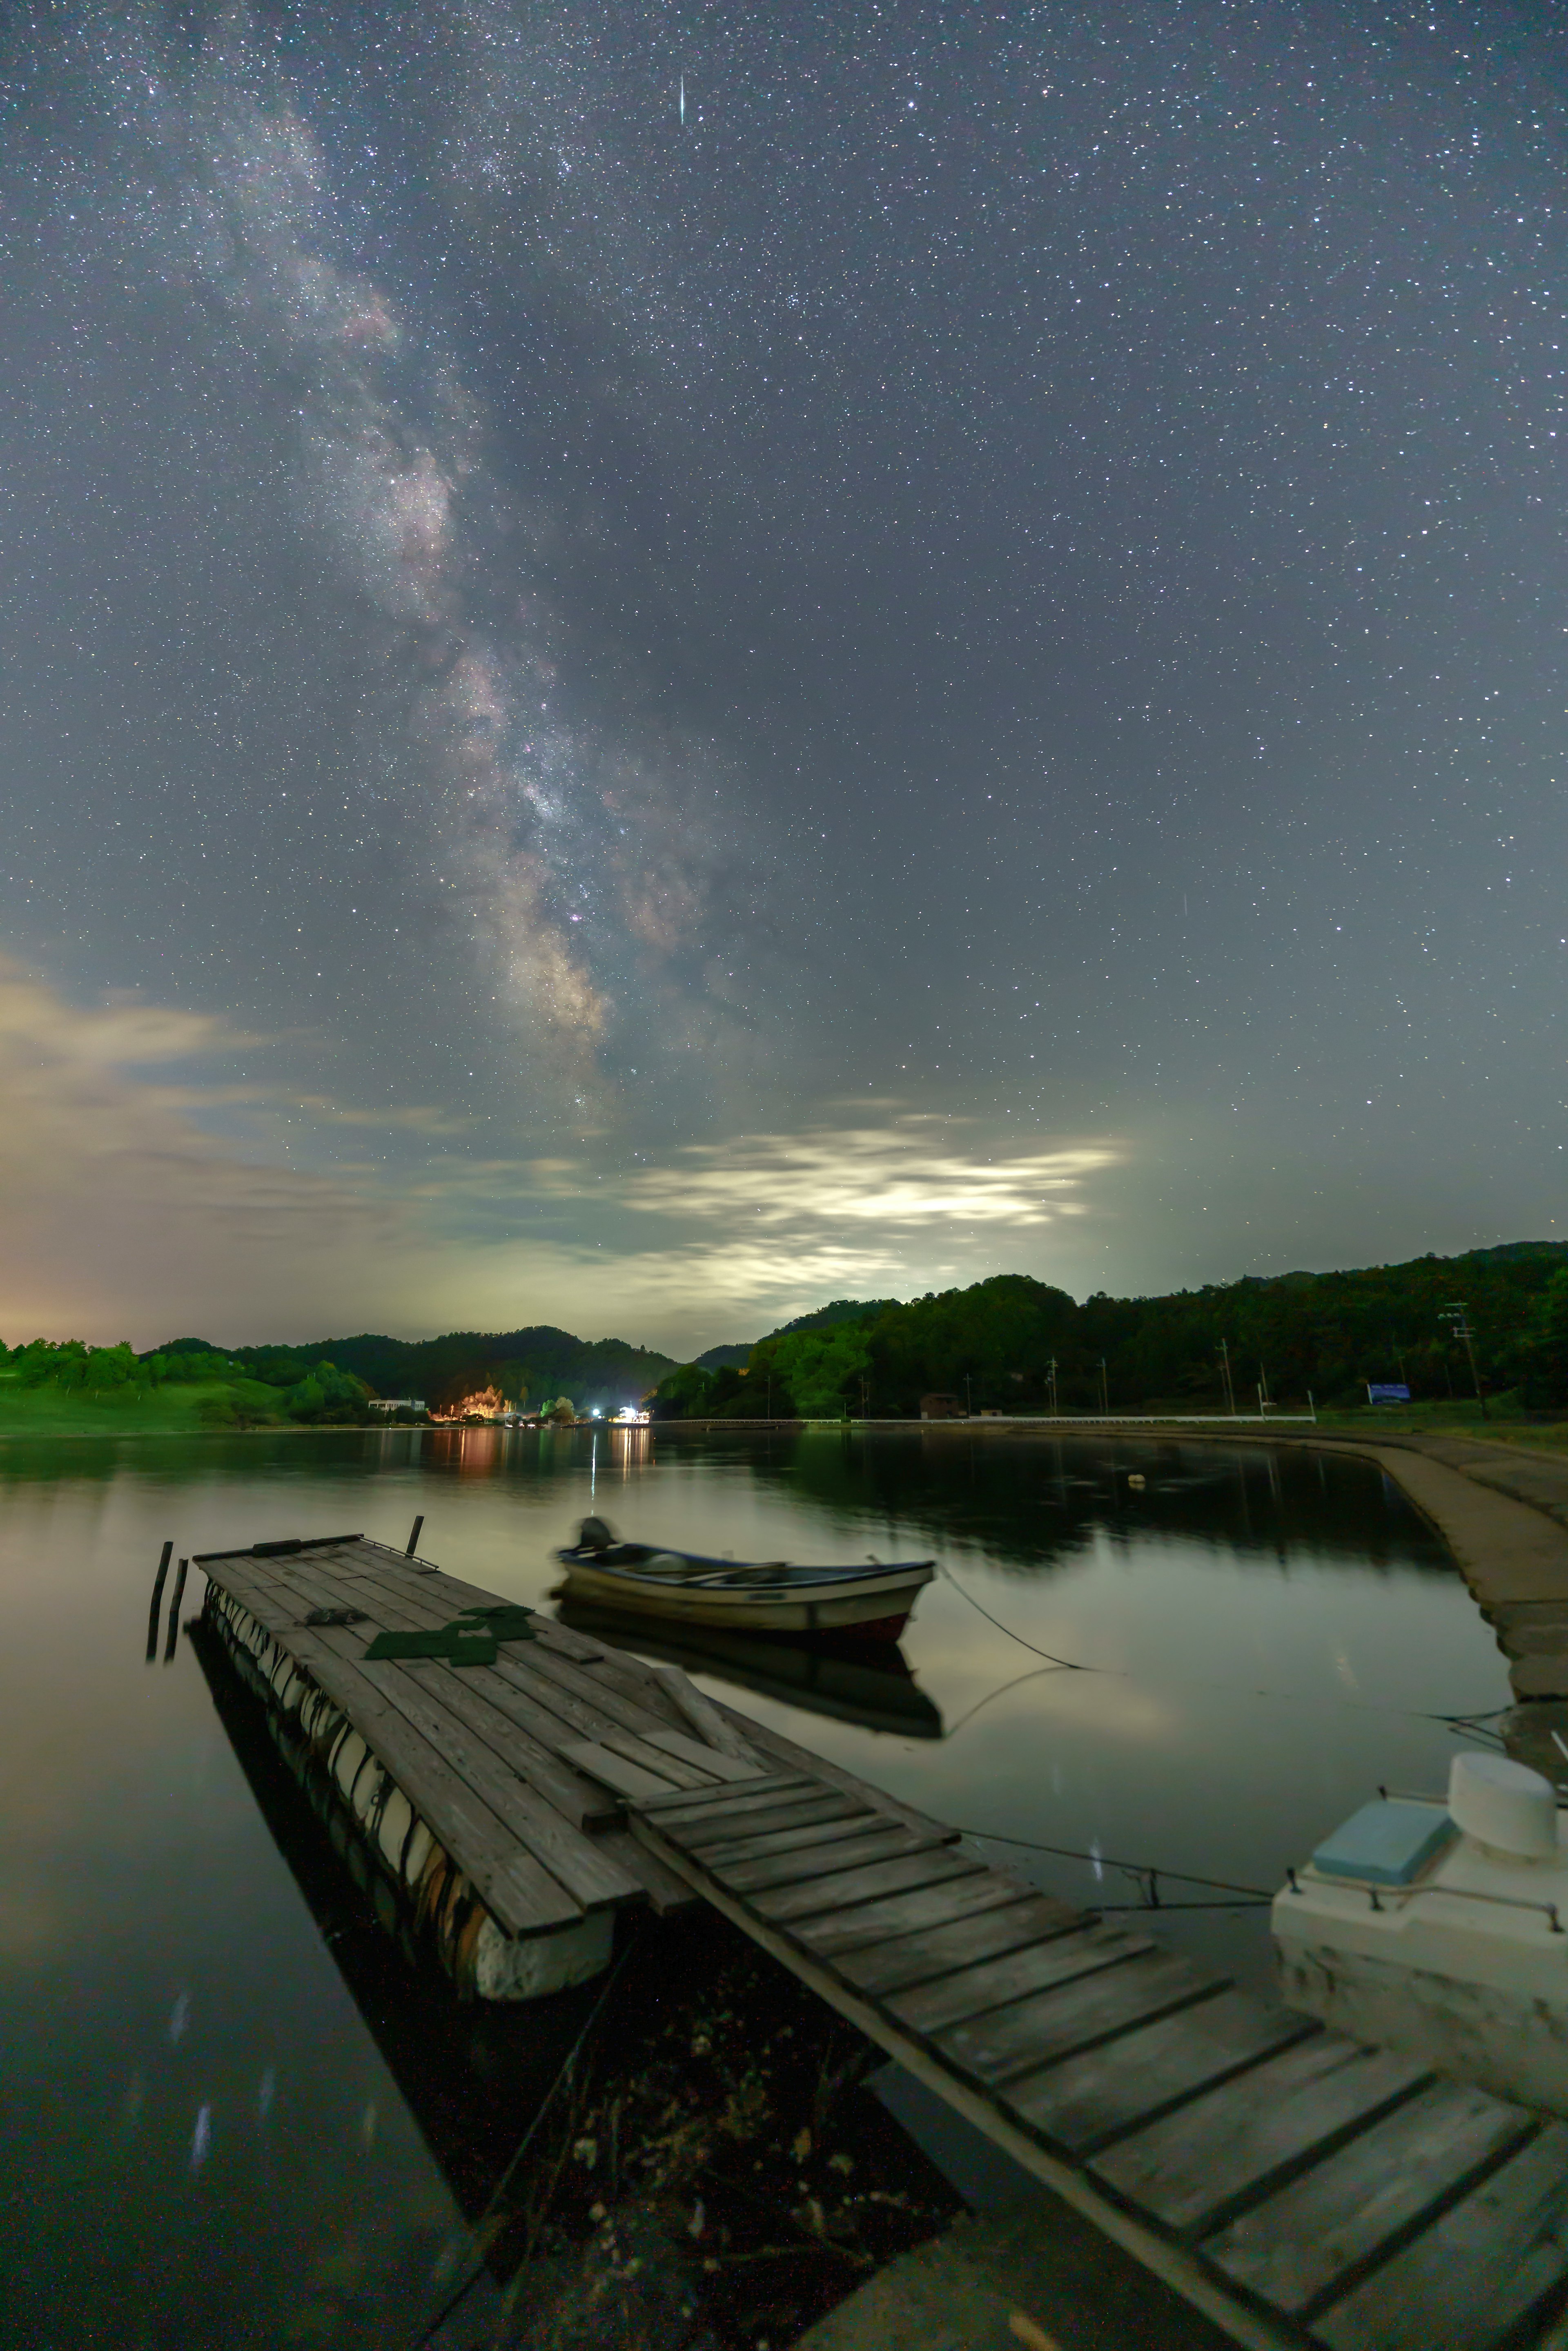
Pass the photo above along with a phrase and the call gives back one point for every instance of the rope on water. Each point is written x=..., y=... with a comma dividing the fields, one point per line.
x=1144, y=1869
x=1064, y=1665
x=1470, y=1725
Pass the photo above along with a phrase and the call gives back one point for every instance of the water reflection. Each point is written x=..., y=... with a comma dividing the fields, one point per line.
x=1273, y=1631
x=635, y=2142
x=867, y=1682
x=471, y=2074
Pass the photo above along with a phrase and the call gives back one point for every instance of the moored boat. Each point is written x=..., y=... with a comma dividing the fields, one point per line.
x=752, y=1596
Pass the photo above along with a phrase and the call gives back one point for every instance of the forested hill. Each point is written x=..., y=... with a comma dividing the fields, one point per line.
x=841, y=1310
x=532, y=1365
x=1323, y=1334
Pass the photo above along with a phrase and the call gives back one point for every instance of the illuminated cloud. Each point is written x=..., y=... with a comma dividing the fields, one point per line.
x=915, y=1174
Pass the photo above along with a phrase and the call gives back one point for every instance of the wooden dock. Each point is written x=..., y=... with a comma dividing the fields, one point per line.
x=1298, y=2190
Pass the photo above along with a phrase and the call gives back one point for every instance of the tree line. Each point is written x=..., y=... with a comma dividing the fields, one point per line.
x=1012, y=1343
x=333, y=1380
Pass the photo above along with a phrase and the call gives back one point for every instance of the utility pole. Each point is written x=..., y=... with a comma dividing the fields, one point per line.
x=968, y=1399
x=1051, y=1376
x=1105, y=1393
x=1458, y=1322
x=1225, y=1375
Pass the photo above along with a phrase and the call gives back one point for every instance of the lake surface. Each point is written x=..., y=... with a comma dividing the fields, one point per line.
x=205, y=2140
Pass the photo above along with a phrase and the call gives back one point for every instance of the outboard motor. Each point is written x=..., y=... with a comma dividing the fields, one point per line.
x=594, y=1535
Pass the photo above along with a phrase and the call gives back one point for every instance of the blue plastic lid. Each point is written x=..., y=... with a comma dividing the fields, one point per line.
x=1386, y=1843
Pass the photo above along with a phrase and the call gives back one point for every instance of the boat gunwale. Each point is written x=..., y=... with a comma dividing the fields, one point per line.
x=776, y=1576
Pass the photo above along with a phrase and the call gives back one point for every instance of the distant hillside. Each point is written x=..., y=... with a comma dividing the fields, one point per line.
x=842, y=1310
x=534, y=1366
x=1012, y=1343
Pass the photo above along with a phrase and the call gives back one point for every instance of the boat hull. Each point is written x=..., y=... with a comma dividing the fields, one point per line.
x=875, y=1606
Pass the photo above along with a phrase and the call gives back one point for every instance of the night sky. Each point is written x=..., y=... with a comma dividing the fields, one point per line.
x=657, y=663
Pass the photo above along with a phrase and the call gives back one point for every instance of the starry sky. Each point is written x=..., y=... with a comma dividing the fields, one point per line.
x=658, y=663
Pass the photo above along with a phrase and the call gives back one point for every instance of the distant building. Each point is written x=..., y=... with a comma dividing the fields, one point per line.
x=942, y=1407
x=398, y=1404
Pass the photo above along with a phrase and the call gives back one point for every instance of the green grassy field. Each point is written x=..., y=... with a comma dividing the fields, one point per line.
x=174, y=1410
x=1504, y=1423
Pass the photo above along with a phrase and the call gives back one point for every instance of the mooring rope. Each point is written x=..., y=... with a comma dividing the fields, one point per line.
x=1470, y=1722
x=499, y=2191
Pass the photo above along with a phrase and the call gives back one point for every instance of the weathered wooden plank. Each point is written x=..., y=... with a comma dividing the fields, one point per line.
x=454, y=1721
x=1087, y=2100
x=717, y=1761
x=650, y=1710
x=755, y=1847
x=773, y=1786
x=996, y=1983
x=885, y=1968
x=1476, y=2274
x=614, y=1770
x=531, y=1742
x=655, y=1760
x=844, y=1891
x=701, y=1713
x=1295, y=2247
x=1233, y=2145
x=770, y=1742
x=534, y=1675
x=887, y=1841
x=523, y=1897
x=722, y=1821
x=811, y=1810
x=666, y=1890
x=1239, y=2319
x=1053, y=2024
x=559, y=1711
x=904, y=1914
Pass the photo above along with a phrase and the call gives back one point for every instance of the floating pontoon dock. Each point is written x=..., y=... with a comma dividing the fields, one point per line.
x=1298, y=2188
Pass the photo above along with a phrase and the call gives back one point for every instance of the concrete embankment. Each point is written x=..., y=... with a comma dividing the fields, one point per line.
x=1502, y=1511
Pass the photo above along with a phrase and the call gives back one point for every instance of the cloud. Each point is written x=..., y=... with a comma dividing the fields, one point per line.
x=123, y=1216
x=916, y=1174
x=128, y=1213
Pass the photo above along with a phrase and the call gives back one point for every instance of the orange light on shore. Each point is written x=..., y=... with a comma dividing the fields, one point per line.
x=489, y=1404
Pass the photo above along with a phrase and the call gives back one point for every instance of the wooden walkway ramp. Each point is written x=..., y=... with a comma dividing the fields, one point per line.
x=1298, y=2190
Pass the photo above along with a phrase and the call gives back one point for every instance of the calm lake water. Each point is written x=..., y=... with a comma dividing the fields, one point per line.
x=205, y=2140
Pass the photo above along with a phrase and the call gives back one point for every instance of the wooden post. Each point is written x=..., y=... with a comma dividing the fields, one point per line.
x=157, y=1602
x=413, y=1537
x=175, y=1612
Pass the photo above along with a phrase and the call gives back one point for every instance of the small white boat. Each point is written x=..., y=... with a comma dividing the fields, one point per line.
x=754, y=1597
x=1438, y=1929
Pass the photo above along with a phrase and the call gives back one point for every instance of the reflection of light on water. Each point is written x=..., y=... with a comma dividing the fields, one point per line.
x=630, y=1447
x=202, y=2138
x=1095, y=1864
x=267, y=2092
x=179, y=2017
x=478, y=1450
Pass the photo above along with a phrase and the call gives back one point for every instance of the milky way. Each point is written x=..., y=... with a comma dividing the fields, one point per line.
x=987, y=585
